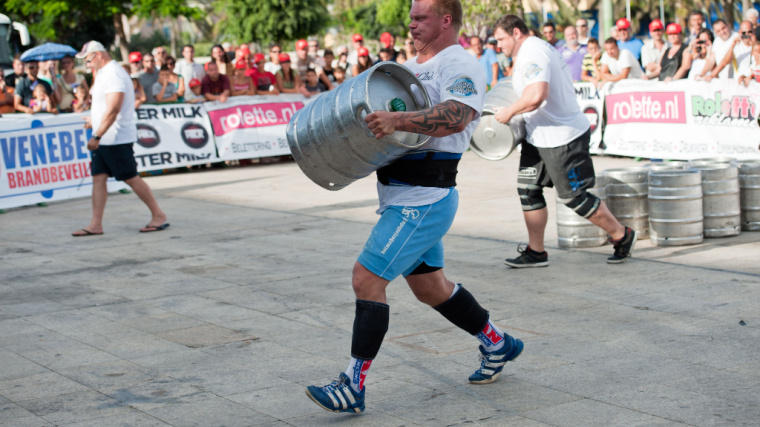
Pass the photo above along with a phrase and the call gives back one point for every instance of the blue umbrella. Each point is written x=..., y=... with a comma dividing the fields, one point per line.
x=47, y=52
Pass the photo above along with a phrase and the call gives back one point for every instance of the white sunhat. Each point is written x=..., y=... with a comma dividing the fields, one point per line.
x=90, y=47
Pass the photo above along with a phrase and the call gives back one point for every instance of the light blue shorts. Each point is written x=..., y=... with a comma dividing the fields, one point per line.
x=405, y=237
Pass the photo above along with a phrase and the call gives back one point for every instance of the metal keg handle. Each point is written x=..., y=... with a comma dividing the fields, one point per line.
x=361, y=112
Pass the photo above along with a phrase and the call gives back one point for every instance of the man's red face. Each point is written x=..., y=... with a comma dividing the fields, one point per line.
x=425, y=25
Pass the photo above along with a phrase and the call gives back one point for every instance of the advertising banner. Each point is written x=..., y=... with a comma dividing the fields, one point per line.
x=591, y=101
x=45, y=158
x=682, y=119
x=173, y=135
x=247, y=127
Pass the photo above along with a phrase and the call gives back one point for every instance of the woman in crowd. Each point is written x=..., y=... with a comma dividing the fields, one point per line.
x=222, y=60
x=288, y=80
x=176, y=79
x=363, y=63
x=140, y=96
x=704, y=57
x=676, y=61
x=273, y=66
x=241, y=84
x=67, y=83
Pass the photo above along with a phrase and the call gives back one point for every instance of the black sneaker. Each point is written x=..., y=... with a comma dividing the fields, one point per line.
x=623, y=247
x=528, y=258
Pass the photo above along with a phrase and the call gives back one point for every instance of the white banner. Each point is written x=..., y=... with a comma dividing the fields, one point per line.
x=247, y=127
x=45, y=158
x=173, y=135
x=682, y=119
x=591, y=101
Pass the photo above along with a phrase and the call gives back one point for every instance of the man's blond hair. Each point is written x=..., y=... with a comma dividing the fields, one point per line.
x=449, y=7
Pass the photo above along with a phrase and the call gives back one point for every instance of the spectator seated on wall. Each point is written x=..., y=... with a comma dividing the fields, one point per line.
x=619, y=64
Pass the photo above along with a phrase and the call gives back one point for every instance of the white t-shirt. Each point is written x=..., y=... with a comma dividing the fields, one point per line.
x=451, y=74
x=111, y=79
x=559, y=119
x=721, y=48
x=742, y=53
x=650, y=53
x=189, y=71
x=624, y=60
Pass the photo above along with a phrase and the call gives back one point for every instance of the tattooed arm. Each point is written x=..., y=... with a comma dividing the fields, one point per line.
x=443, y=119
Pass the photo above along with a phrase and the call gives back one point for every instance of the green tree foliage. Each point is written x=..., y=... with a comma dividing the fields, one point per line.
x=272, y=20
x=393, y=15
x=480, y=15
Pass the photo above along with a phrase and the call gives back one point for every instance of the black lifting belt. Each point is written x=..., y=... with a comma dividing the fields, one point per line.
x=425, y=169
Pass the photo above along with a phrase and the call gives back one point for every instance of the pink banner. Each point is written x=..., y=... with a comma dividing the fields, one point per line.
x=646, y=107
x=238, y=117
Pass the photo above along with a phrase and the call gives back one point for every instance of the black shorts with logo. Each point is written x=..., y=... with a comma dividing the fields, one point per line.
x=568, y=167
x=117, y=161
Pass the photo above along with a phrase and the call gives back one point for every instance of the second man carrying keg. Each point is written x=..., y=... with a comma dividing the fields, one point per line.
x=556, y=150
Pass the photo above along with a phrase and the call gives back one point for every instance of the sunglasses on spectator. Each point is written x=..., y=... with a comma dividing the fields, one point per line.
x=582, y=25
x=275, y=51
x=747, y=32
x=169, y=64
x=701, y=42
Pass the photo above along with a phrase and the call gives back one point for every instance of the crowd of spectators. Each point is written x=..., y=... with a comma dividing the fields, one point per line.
x=670, y=53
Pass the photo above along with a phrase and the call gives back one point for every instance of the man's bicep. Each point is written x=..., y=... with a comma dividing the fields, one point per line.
x=114, y=100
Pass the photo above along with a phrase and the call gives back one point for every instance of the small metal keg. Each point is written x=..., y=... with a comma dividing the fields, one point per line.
x=720, y=199
x=627, y=198
x=749, y=186
x=574, y=231
x=329, y=139
x=675, y=207
x=493, y=140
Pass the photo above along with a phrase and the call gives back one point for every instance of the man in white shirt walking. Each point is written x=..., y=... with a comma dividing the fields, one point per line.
x=114, y=131
x=556, y=150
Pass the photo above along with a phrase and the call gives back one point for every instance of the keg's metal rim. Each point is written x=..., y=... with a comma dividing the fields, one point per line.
x=379, y=67
x=482, y=153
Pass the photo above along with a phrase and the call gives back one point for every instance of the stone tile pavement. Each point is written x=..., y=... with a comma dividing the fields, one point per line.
x=224, y=318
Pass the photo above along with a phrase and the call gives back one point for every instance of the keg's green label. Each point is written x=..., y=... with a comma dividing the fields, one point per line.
x=398, y=105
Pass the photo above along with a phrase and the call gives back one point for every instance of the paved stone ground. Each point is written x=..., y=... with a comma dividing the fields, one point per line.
x=224, y=318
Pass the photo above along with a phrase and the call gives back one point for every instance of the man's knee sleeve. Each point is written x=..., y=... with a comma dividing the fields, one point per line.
x=584, y=205
x=531, y=197
x=370, y=326
x=463, y=311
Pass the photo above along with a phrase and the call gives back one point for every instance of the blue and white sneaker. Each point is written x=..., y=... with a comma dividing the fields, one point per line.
x=491, y=364
x=338, y=396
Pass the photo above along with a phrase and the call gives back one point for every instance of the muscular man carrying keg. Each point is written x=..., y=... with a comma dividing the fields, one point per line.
x=556, y=152
x=417, y=206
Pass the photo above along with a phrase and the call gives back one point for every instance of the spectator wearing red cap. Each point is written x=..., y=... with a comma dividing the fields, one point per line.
x=264, y=81
x=215, y=86
x=654, y=48
x=676, y=62
x=363, y=61
x=288, y=80
x=241, y=83
x=195, y=88
x=358, y=42
x=619, y=64
x=550, y=34
x=388, y=41
x=135, y=63
x=626, y=40
x=304, y=62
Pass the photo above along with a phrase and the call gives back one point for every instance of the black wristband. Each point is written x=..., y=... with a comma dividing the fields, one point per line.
x=96, y=138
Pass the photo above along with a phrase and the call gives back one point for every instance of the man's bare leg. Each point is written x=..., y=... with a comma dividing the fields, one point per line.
x=604, y=219
x=140, y=187
x=536, y=223
x=99, y=197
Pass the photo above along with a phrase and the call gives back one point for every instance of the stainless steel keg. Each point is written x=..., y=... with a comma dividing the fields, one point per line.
x=493, y=140
x=749, y=185
x=720, y=199
x=329, y=139
x=627, y=197
x=574, y=231
x=675, y=207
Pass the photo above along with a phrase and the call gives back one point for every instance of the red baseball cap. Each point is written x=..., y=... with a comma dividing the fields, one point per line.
x=357, y=37
x=623, y=24
x=656, y=25
x=244, y=49
x=194, y=83
x=362, y=51
x=302, y=44
x=284, y=57
x=673, y=28
x=258, y=58
x=135, y=57
x=240, y=64
x=386, y=39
